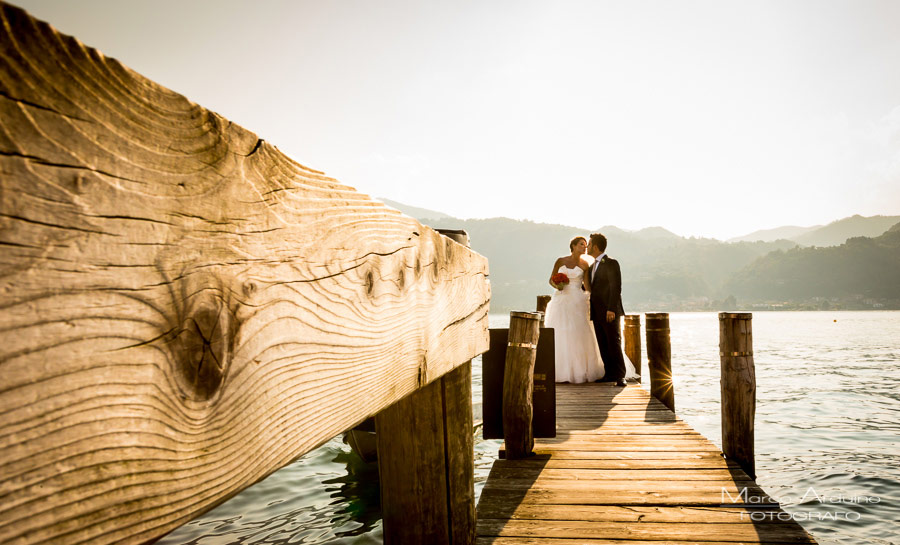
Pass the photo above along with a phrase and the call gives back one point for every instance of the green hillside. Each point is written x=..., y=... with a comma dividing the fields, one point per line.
x=861, y=273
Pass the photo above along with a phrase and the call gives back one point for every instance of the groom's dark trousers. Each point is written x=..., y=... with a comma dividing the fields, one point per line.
x=606, y=295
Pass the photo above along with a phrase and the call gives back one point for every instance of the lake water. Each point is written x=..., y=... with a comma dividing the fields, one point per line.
x=827, y=438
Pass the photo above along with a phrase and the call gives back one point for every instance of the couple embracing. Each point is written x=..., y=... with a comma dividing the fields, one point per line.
x=585, y=312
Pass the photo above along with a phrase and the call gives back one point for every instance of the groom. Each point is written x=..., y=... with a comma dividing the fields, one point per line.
x=605, y=279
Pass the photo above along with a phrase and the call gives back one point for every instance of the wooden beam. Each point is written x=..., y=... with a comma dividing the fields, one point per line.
x=184, y=308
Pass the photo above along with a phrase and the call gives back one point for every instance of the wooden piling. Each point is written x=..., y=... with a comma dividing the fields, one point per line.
x=458, y=426
x=518, y=383
x=633, y=341
x=426, y=463
x=659, y=358
x=738, y=388
x=542, y=302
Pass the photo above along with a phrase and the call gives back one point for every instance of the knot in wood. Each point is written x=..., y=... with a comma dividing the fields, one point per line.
x=422, y=375
x=204, y=345
x=370, y=283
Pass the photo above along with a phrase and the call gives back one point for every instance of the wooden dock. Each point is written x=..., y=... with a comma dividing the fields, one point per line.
x=625, y=469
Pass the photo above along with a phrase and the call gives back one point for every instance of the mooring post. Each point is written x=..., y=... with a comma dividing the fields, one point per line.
x=633, y=341
x=518, y=383
x=459, y=426
x=426, y=463
x=542, y=302
x=738, y=388
x=659, y=358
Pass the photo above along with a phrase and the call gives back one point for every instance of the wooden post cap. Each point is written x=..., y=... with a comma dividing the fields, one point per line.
x=632, y=319
x=735, y=315
x=525, y=315
x=457, y=235
x=657, y=321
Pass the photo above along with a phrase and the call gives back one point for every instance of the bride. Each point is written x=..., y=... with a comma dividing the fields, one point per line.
x=577, y=354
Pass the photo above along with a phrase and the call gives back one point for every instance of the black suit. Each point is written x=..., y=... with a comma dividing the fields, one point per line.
x=606, y=295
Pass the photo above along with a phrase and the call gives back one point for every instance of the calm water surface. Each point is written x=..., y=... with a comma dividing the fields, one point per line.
x=827, y=438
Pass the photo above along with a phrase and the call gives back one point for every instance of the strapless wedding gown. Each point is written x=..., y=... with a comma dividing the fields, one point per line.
x=577, y=354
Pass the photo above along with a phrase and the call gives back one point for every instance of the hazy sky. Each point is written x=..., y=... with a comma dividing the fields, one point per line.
x=708, y=118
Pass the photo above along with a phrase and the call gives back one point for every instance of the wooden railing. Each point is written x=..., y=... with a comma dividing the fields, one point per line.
x=186, y=310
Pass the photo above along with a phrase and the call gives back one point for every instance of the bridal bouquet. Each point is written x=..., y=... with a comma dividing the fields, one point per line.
x=559, y=280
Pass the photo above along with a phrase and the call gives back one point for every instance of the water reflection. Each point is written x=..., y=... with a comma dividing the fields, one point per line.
x=357, y=495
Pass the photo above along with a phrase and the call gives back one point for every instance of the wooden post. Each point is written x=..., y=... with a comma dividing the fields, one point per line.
x=458, y=426
x=426, y=463
x=633, y=341
x=659, y=358
x=518, y=383
x=738, y=388
x=542, y=302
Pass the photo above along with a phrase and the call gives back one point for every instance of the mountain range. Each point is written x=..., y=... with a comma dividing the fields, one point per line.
x=663, y=271
x=833, y=234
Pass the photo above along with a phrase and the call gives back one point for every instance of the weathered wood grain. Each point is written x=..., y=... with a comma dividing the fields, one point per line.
x=631, y=513
x=590, y=487
x=183, y=309
x=747, y=532
x=518, y=540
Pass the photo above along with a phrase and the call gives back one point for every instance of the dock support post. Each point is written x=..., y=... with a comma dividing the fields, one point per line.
x=659, y=358
x=738, y=388
x=542, y=302
x=426, y=463
x=633, y=341
x=518, y=384
x=459, y=429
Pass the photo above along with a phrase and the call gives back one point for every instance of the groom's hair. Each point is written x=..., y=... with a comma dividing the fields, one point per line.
x=574, y=241
x=599, y=241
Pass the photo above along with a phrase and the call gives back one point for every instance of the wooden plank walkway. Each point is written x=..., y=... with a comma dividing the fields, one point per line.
x=625, y=469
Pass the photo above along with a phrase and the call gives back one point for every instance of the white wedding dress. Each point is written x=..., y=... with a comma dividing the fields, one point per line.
x=568, y=313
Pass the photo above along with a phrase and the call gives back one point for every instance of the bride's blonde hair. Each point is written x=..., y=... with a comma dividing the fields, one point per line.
x=574, y=241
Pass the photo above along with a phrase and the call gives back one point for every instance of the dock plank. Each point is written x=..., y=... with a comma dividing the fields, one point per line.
x=624, y=469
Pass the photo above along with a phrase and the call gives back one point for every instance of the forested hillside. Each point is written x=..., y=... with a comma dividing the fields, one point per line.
x=862, y=269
